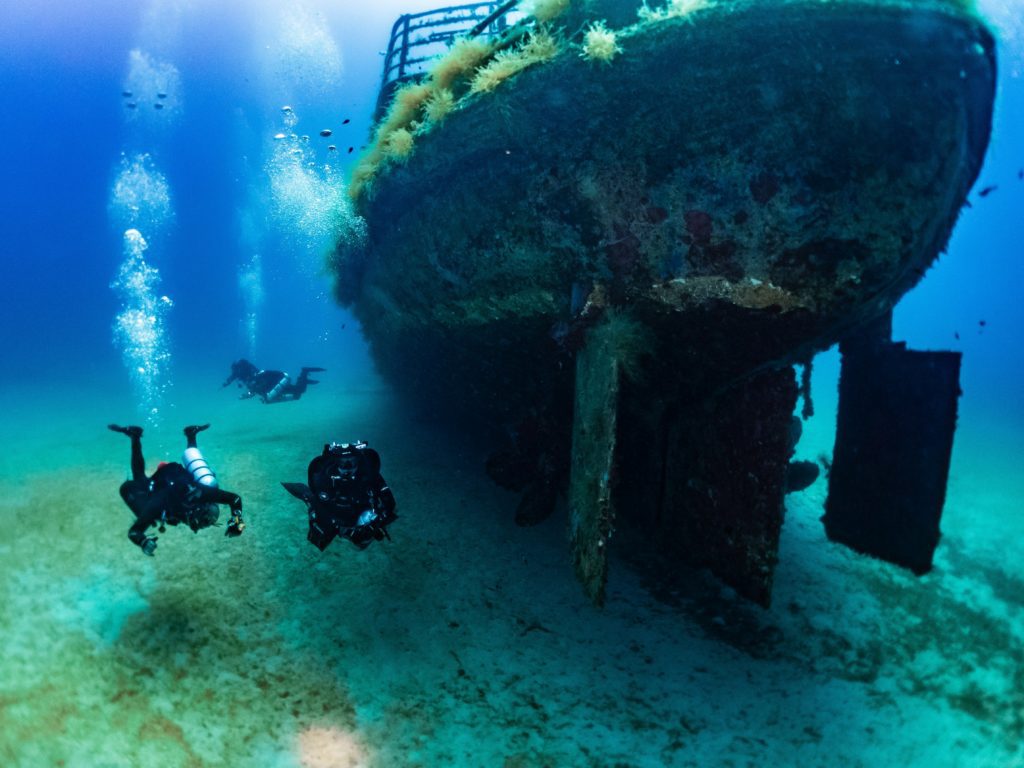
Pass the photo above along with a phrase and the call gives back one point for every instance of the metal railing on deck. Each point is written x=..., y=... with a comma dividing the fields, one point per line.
x=418, y=38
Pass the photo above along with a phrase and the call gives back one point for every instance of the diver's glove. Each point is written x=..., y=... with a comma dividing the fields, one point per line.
x=235, y=525
x=148, y=545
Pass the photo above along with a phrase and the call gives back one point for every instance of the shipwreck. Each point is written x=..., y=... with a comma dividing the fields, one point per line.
x=620, y=229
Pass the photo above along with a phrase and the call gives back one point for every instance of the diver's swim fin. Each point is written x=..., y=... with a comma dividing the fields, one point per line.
x=300, y=491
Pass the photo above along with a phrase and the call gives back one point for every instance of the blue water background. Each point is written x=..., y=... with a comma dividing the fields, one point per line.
x=62, y=69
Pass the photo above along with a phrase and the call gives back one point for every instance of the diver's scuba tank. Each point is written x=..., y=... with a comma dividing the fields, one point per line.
x=197, y=466
x=284, y=382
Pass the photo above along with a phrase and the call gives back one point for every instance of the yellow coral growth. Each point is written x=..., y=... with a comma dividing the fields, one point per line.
x=497, y=70
x=440, y=103
x=600, y=44
x=415, y=108
x=546, y=10
x=410, y=98
x=541, y=46
x=398, y=145
x=464, y=57
x=363, y=176
x=405, y=107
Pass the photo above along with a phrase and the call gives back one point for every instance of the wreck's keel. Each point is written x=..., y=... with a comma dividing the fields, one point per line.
x=594, y=451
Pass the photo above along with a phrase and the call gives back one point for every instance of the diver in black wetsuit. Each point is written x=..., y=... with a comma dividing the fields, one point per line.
x=175, y=494
x=271, y=386
x=800, y=474
x=346, y=496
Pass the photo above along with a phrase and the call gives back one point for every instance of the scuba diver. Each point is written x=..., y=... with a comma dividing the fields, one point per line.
x=271, y=386
x=534, y=462
x=346, y=496
x=176, y=493
x=800, y=474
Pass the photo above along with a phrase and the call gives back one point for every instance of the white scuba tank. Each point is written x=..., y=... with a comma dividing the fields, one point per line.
x=194, y=462
x=272, y=394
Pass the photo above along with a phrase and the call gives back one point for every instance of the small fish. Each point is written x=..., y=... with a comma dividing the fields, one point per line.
x=326, y=132
x=131, y=105
x=346, y=121
x=985, y=192
x=350, y=150
x=126, y=94
x=956, y=335
x=158, y=105
x=982, y=323
x=161, y=95
x=331, y=147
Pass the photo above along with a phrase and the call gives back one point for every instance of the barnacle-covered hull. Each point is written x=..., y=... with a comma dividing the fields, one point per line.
x=737, y=189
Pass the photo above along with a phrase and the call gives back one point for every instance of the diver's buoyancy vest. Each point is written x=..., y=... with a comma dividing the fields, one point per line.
x=194, y=462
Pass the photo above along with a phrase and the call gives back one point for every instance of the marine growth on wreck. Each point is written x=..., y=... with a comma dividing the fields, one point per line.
x=561, y=234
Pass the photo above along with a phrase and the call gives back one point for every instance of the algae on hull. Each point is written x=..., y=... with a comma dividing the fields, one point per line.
x=749, y=187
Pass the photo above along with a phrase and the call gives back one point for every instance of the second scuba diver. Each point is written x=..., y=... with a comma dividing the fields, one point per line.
x=176, y=493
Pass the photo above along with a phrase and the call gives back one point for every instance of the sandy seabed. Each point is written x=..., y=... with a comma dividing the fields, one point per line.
x=466, y=641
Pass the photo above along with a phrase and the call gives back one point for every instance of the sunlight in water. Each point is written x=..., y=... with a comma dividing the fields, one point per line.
x=250, y=283
x=1007, y=16
x=139, y=328
x=327, y=747
x=309, y=203
x=301, y=59
x=140, y=197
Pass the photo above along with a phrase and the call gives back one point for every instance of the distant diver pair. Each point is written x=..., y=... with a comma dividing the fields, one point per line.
x=269, y=386
x=346, y=495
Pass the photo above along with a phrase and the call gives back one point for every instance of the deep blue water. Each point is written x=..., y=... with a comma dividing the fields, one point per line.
x=970, y=292
x=62, y=71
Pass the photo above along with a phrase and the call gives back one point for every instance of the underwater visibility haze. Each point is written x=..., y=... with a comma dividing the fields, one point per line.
x=687, y=336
